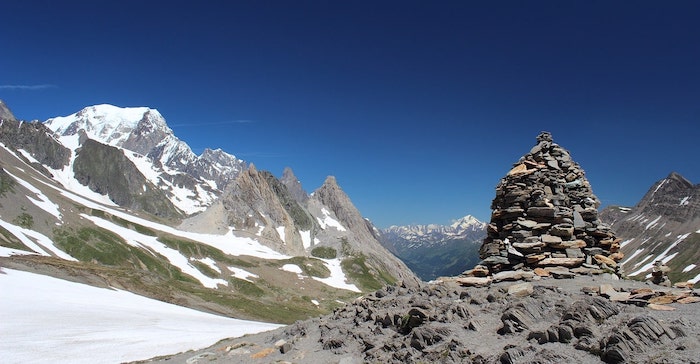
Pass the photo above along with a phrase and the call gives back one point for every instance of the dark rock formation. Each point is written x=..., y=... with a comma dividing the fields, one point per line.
x=545, y=214
x=106, y=170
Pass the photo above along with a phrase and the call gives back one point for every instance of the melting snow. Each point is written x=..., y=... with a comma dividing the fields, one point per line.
x=337, y=277
x=292, y=268
x=315, y=302
x=622, y=245
x=660, y=184
x=242, y=274
x=280, y=232
x=695, y=280
x=211, y=263
x=43, y=201
x=151, y=242
x=46, y=319
x=329, y=221
x=684, y=201
x=649, y=225
x=305, y=238
x=35, y=241
x=661, y=256
x=689, y=268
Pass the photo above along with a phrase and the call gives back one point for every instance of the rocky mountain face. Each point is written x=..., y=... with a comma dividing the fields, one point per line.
x=435, y=250
x=109, y=197
x=545, y=215
x=664, y=226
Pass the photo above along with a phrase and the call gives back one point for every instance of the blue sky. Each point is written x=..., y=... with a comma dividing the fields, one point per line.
x=418, y=108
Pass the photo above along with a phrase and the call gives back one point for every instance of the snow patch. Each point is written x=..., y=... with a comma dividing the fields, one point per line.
x=242, y=274
x=35, y=241
x=46, y=319
x=42, y=201
x=651, y=224
x=337, y=278
x=329, y=221
x=292, y=268
x=151, y=243
x=315, y=302
x=211, y=263
x=689, y=268
x=684, y=201
x=280, y=232
x=305, y=238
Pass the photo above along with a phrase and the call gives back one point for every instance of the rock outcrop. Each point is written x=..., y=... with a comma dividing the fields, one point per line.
x=545, y=214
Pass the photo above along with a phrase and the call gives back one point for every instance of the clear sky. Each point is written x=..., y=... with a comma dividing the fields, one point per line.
x=417, y=107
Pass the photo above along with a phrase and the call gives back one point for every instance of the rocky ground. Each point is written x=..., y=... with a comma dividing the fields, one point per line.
x=587, y=319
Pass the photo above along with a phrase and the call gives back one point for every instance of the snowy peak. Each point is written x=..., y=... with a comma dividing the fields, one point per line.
x=110, y=124
x=468, y=222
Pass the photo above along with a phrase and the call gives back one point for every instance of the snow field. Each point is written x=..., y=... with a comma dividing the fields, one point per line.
x=49, y=320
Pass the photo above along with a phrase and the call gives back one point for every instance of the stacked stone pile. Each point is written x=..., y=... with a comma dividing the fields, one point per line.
x=546, y=215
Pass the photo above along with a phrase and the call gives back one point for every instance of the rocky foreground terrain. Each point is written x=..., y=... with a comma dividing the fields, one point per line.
x=587, y=319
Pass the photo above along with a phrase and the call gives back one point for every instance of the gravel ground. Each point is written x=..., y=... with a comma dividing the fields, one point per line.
x=543, y=321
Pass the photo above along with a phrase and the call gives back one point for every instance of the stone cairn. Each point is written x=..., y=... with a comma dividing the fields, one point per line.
x=545, y=216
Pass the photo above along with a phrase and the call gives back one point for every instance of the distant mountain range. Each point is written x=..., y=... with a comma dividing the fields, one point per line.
x=664, y=226
x=434, y=250
x=111, y=197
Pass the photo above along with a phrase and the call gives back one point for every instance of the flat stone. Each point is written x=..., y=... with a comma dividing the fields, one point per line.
x=663, y=300
x=578, y=221
x=526, y=223
x=512, y=275
x=478, y=271
x=574, y=253
x=688, y=300
x=562, y=230
x=521, y=289
x=564, y=262
x=550, y=239
x=569, y=244
x=656, y=307
x=534, y=258
x=606, y=289
x=541, y=272
x=474, y=281
x=541, y=211
x=528, y=246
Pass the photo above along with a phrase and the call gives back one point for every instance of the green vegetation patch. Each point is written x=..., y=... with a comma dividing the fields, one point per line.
x=24, y=220
x=324, y=252
x=367, y=278
x=246, y=288
x=89, y=244
x=7, y=183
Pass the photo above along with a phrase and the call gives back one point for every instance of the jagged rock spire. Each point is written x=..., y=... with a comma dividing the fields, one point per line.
x=545, y=214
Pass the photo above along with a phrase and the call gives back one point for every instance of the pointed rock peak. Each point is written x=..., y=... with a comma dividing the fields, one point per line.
x=544, y=136
x=5, y=113
x=252, y=169
x=466, y=221
x=288, y=174
x=331, y=182
x=673, y=176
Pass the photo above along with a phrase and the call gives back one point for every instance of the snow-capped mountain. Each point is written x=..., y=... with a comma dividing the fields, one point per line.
x=664, y=226
x=437, y=250
x=191, y=182
x=435, y=234
x=110, y=215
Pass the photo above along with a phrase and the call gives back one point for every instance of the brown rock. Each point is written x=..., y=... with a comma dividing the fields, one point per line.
x=534, y=258
x=663, y=300
x=541, y=272
x=656, y=307
x=602, y=259
x=474, y=281
x=564, y=262
x=551, y=239
x=617, y=256
x=686, y=285
x=687, y=300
